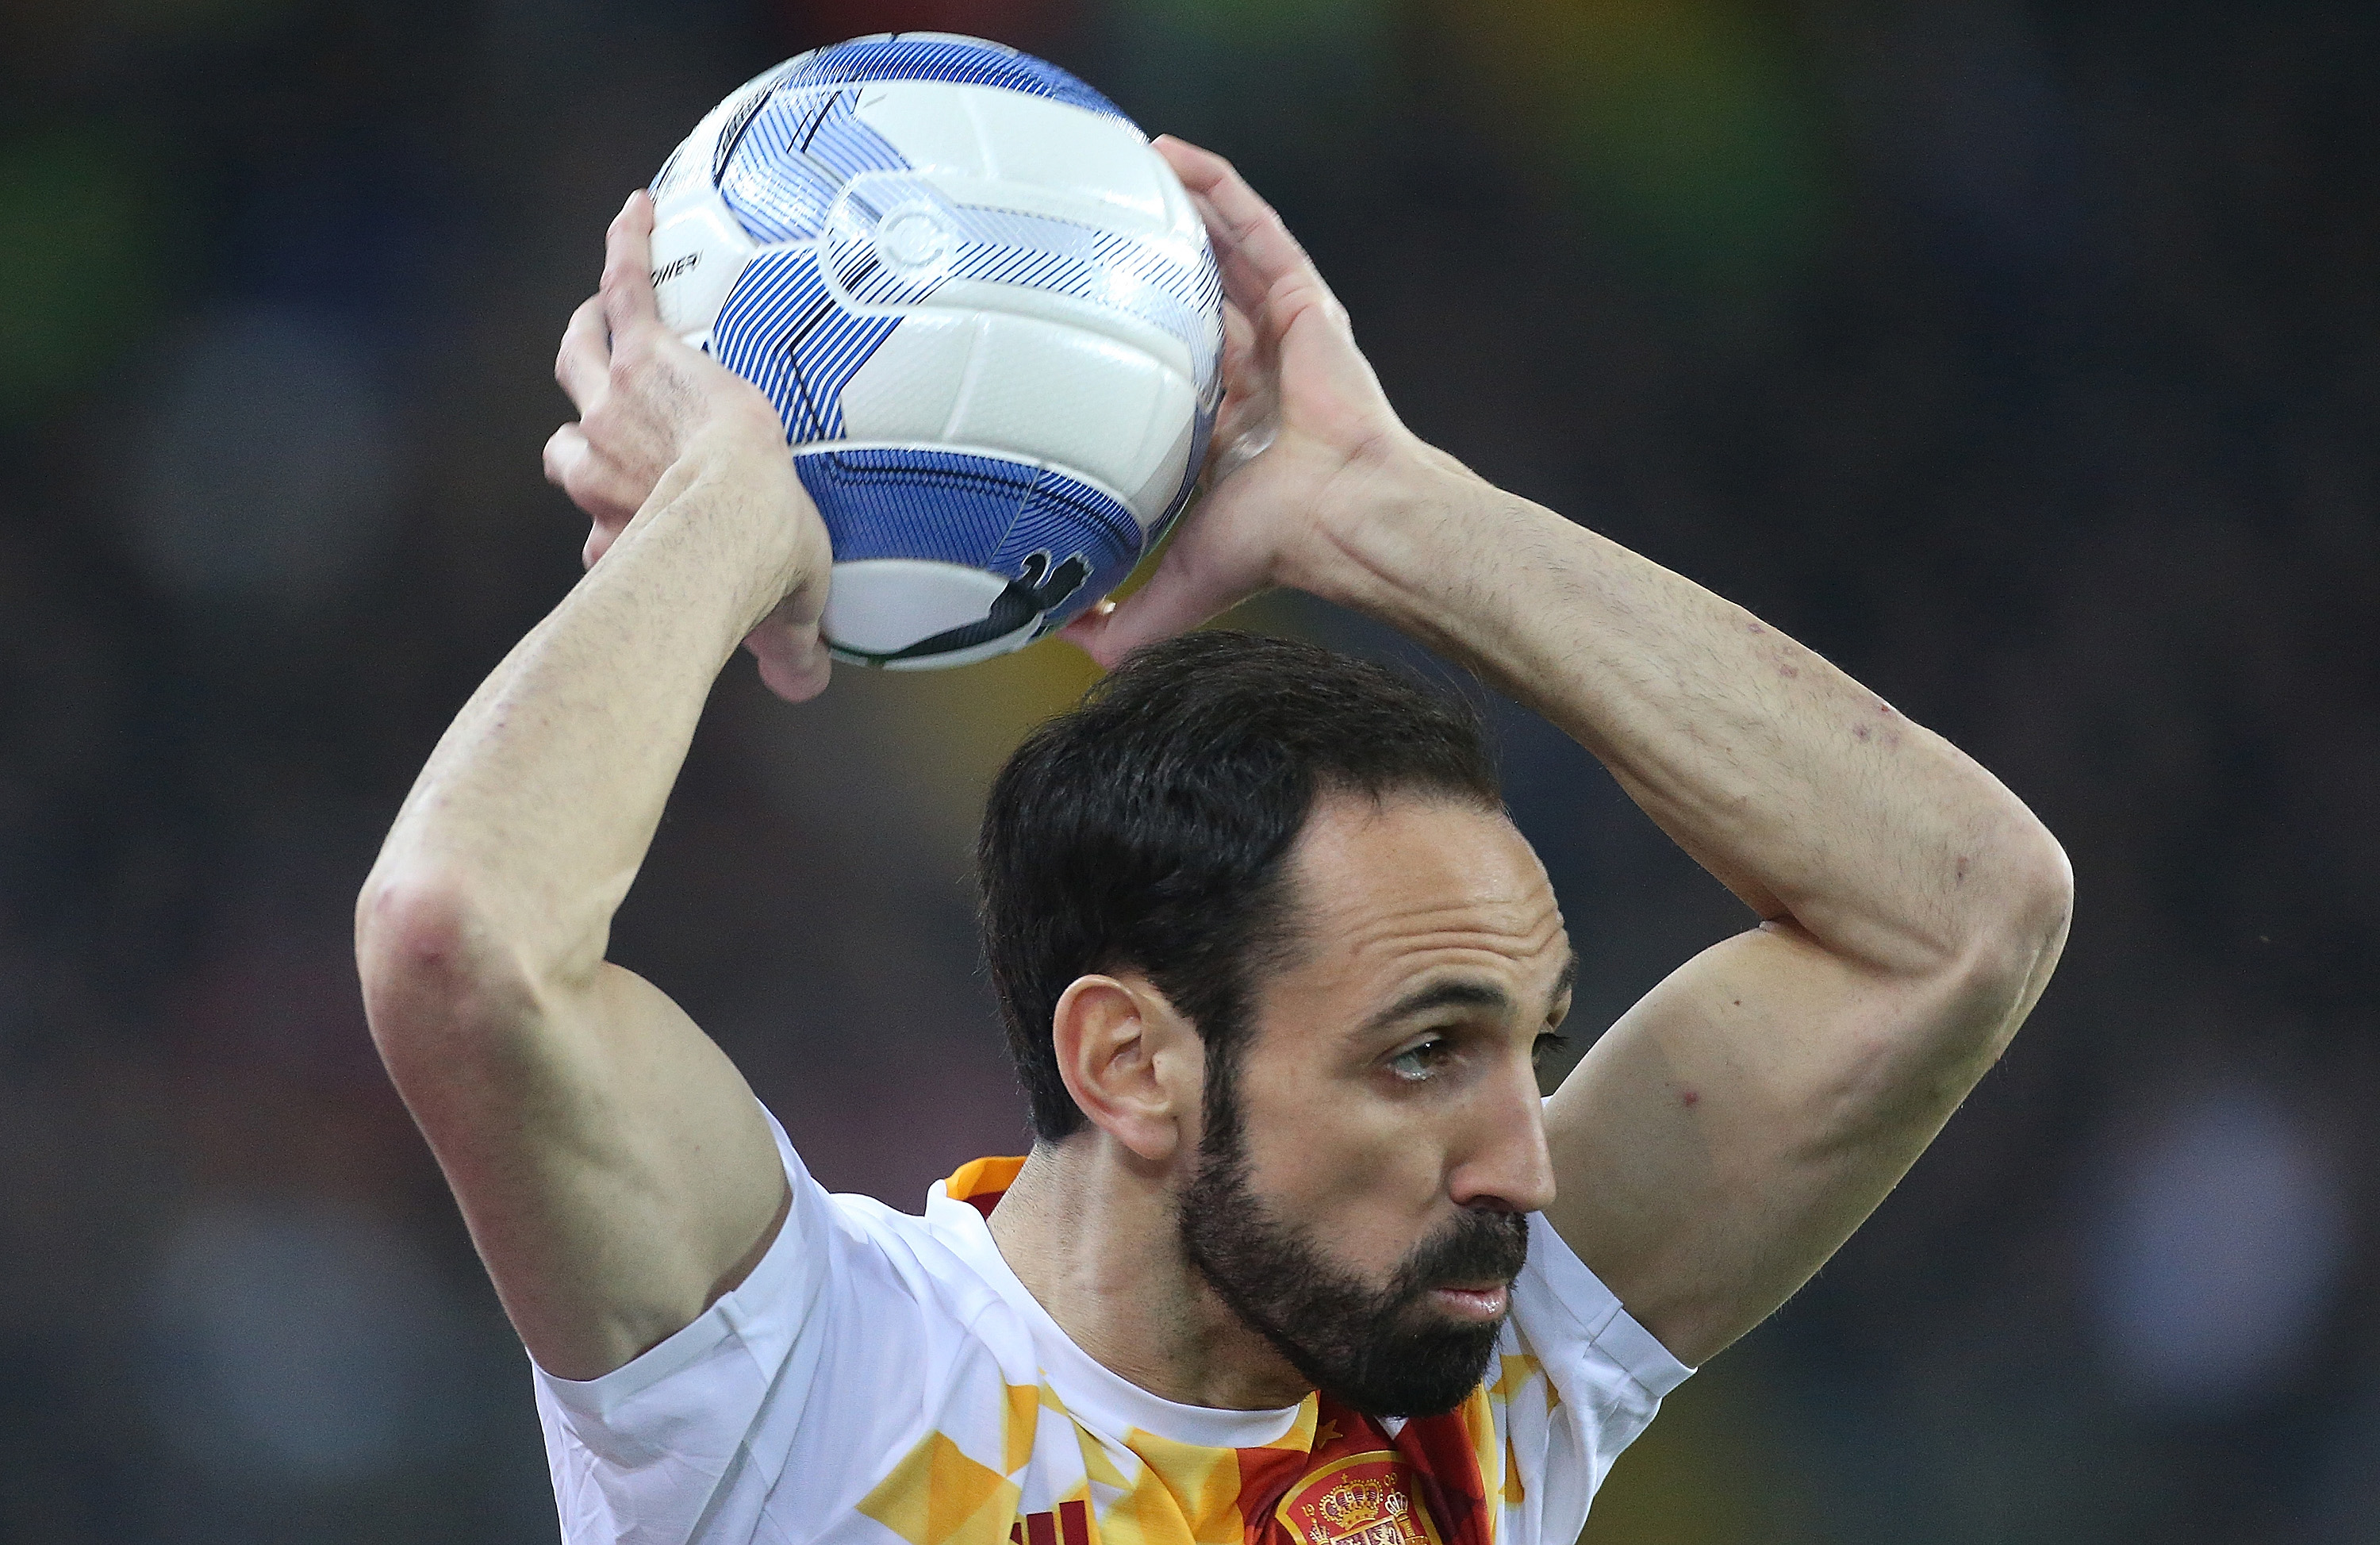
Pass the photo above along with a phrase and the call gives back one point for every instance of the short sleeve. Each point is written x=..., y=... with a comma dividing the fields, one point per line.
x=702, y=1424
x=1607, y=1375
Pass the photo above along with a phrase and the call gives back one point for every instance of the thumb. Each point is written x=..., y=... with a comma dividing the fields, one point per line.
x=1179, y=596
x=793, y=661
x=627, y=286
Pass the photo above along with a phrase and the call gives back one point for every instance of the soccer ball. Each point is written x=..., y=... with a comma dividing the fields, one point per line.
x=986, y=311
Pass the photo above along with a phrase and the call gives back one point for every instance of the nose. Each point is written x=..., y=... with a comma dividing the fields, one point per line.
x=1506, y=1167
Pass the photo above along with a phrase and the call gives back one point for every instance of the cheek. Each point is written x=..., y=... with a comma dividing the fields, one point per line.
x=1357, y=1176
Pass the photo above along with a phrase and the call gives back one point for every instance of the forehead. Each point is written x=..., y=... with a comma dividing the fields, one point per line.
x=1392, y=888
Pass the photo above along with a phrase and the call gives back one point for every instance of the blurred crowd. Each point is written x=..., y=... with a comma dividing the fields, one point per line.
x=2024, y=360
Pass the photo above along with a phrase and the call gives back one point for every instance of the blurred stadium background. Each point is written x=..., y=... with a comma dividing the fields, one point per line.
x=2022, y=358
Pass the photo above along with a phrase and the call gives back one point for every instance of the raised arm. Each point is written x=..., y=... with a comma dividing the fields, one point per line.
x=1726, y=1136
x=614, y=1170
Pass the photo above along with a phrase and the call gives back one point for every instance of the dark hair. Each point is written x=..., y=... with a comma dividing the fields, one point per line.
x=1147, y=827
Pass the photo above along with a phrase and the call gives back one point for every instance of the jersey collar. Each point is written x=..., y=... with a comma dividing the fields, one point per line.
x=1103, y=1400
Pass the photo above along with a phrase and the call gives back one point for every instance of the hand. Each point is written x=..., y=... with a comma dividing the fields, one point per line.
x=1304, y=435
x=645, y=399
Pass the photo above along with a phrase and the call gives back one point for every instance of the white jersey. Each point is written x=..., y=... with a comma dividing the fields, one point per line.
x=886, y=1380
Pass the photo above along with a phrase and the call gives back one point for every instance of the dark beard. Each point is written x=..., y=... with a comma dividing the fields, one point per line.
x=1385, y=1351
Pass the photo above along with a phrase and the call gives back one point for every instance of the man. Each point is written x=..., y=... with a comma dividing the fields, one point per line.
x=1298, y=1255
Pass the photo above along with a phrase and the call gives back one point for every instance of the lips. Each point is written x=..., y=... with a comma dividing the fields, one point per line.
x=1474, y=1303
x=1470, y=1269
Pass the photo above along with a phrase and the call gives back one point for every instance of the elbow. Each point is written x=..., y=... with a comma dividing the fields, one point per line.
x=2038, y=901
x=415, y=932
x=1948, y=1021
x=430, y=964
x=2015, y=941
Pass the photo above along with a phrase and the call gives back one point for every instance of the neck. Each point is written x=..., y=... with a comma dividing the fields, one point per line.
x=1089, y=1229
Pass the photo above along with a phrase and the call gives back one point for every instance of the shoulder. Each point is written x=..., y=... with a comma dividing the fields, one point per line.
x=860, y=1327
x=843, y=1274
x=858, y=1259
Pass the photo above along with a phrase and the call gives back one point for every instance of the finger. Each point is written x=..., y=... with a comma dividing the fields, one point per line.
x=600, y=538
x=606, y=494
x=627, y=289
x=1176, y=599
x=793, y=661
x=1085, y=630
x=566, y=451
x=1242, y=285
x=1248, y=232
x=583, y=365
x=1247, y=421
x=1317, y=348
x=1196, y=165
x=1239, y=357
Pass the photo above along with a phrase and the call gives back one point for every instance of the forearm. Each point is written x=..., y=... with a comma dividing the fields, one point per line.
x=540, y=800
x=1808, y=794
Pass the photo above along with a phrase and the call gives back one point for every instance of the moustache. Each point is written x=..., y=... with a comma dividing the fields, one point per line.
x=1479, y=1247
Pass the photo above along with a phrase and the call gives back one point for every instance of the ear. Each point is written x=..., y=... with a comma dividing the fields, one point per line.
x=1132, y=1064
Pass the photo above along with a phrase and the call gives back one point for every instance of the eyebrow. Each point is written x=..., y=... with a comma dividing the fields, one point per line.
x=1444, y=994
x=1459, y=994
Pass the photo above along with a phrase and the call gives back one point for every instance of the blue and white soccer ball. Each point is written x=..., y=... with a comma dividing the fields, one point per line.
x=985, y=308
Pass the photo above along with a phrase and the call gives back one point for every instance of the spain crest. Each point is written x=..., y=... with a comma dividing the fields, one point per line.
x=1364, y=1500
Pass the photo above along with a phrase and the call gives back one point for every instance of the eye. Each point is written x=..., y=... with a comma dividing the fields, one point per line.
x=1418, y=1063
x=1550, y=1044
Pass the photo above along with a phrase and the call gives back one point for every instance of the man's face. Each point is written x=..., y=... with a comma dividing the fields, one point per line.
x=1364, y=1176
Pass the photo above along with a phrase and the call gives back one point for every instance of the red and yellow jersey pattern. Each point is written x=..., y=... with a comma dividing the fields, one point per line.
x=882, y=1378
x=1334, y=1476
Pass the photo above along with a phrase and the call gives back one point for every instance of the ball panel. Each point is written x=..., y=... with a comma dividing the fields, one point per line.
x=781, y=176
x=1202, y=434
x=1069, y=521
x=945, y=56
x=1055, y=542
x=736, y=114
x=1030, y=143
x=700, y=251
x=892, y=241
x=701, y=156
x=1059, y=393
x=909, y=388
x=781, y=331
x=1022, y=141
x=878, y=607
x=899, y=502
x=1164, y=284
x=974, y=297
x=927, y=125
